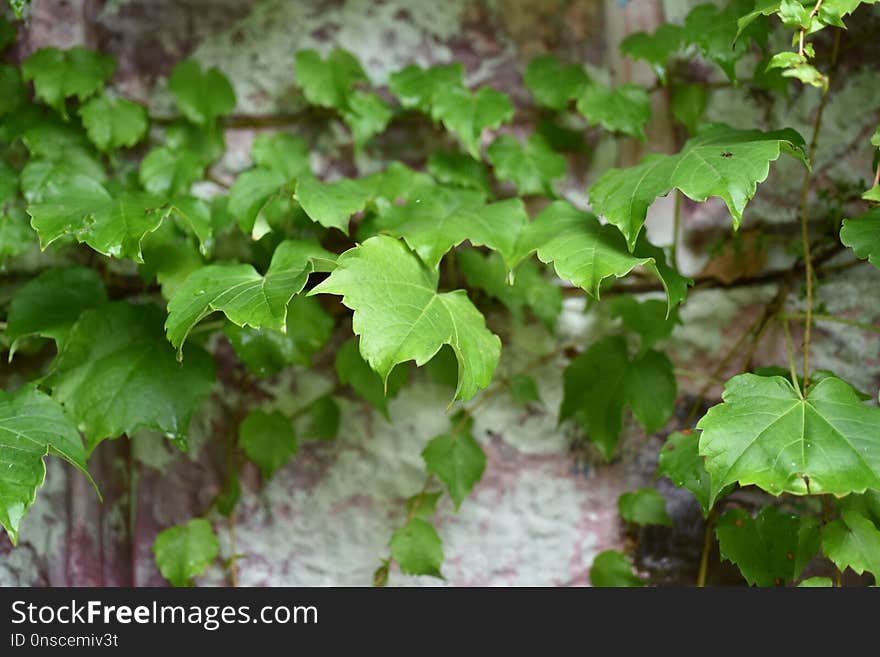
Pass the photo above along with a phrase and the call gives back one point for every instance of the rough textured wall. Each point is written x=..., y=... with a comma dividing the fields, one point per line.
x=545, y=506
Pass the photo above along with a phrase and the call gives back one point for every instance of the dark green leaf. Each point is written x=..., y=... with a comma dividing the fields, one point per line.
x=532, y=166
x=554, y=84
x=60, y=74
x=267, y=439
x=323, y=418
x=613, y=569
x=112, y=122
x=625, y=109
x=457, y=460
x=201, y=96
x=352, y=369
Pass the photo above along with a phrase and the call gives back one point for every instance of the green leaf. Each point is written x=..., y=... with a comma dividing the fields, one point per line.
x=323, y=419
x=423, y=505
x=656, y=48
x=644, y=506
x=169, y=262
x=421, y=89
x=16, y=236
x=400, y=316
x=82, y=208
x=458, y=170
x=439, y=218
x=112, y=122
x=613, y=569
x=267, y=439
x=61, y=74
x=367, y=115
x=862, y=235
x=599, y=383
x=7, y=33
x=688, y=105
x=194, y=216
x=625, y=109
x=116, y=374
x=762, y=8
x=719, y=161
x=328, y=82
x=50, y=303
x=853, y=541
x=11, y=90
x=352, y=369
x=648, y=319
x=457, y=460
x=680, y=460
x=283, y=153
x=42, y=174
x=251, y=193
x=523, y=389
x=331, y=204
x=242, y=294
x=184, y=551
x=417, y=549
x=552, y=83
x=531, y=167
x=872, y=194
x=167, y=172
x=816, y=582
x=771, y=549
x=32, y=426
x=716, y=33
x=765, y=434
x=201, y=96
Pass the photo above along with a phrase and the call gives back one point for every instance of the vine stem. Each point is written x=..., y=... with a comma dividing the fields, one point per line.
x=877, y=176
x=803, y=30
x=676, y=227
x=805, y=197
x=707, y=548
x=833, y=318
x=789, y=350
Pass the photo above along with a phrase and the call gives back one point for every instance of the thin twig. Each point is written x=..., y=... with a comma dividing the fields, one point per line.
x=874, y=328
x=789, y=352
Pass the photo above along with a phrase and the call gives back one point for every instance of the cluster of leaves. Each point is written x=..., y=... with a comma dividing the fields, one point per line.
x=136, y=256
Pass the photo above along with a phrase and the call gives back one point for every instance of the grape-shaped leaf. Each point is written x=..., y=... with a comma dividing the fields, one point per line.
x=16, y=236
x=648, y=319
x=331, y=204
x=283, y=153
x=715, y=32
x=328, y=82
x=601, y=381
x=770, y=549
x=43, y=173
x=32, y=426
x=352, y=369
x=688, y=105
x=50, y=303
x=417, y=549
x=184, y=551
x=116, y=374
x=400, y=316
x=457, y=460
x=458, y=170
x=267, y=439
x=719, y=161
x=862, y=235
x=169, y=262
x=421, y=89
x=765, y=433
x=654, y=48
x=554, y=84
x=60, y=74
x=439, y=218
x=241, y=293
x=167, y=172
x=680, y=460
x=644, y=506
x=816, y=582
x=323, y=418
x=853, y=541
x=194, y=216
x=614, y=569
x=367, y=115
x=251, y=193
x=201, y=96
x=112, y=122
x=83, y=208
x=532, y=167
x=423, y=505
x=625, y=109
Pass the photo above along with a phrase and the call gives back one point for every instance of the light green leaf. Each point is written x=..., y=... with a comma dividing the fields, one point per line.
x=423, y=505
x=680, y=460
x=283, y=153
x=352, y=369
x=421, y=89
x=242, y=294
x=60, y=74
x=457, y=460
x=367, y=115
x=267, y=439
x=251, y=193
x=719, y=161
x=613, y=569
x=167, y=172
x=601, y=381
x=862, y=235
x=816, y=582
x=625, y=109
x=201, y=96
x=417, y=549
x=716, y=33
x=654, y=48
x=458, y=170
x=523, y=389
x=853, y=541
x=765, y=434
x=552, y=83
x=771, y=549
x=42, y=174
x=112, y=122
x=194, y=216
x=531, y=167
x=688, y=105
x=116, y=374
x=400, y=316
x=872, y=194
x=32, y=426
x=331, y=204
x=644, y=506
x=184, y=551
x=328, y=82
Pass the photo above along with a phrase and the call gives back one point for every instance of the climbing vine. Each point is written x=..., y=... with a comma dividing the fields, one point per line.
x=141, y=261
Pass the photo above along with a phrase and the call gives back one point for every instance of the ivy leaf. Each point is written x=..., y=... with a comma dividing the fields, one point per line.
x=83, y=208
x=601, y=381
x=853, y=541
x=32, y=426
x=680, y=460
x=251, y=193
x=648, y=319
x=417, y=549
x=715, y=32
x=116, y=374
x=719, y=161
x=613, y=569
x=688, y=105
x=16, y=236
x=194, y=215
x=531, y=167
x=765, y=434
x=552, y=83
x=113, y=122
x=328, y=82
x=323, y=419
x=816, y=582
x=169, y=262
x=367, y=115
x=437, y=219
x=352, y=369
x=201, y=96
x=400, y=315
x=458, y=170
x=523, y=390
x=644, y=506
x=60, y=74
x=184, y=551
x=167, y=172
x=11, y=90
x=421, y=89
x=656, y=48
x=625, y=109
x=331, y=204
x=457, y=460
x=862, y=235
x=283, y=153
x=43, y=173
x=50, y=303
x=770, y=549
x=423, y=505
x=267, y=439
